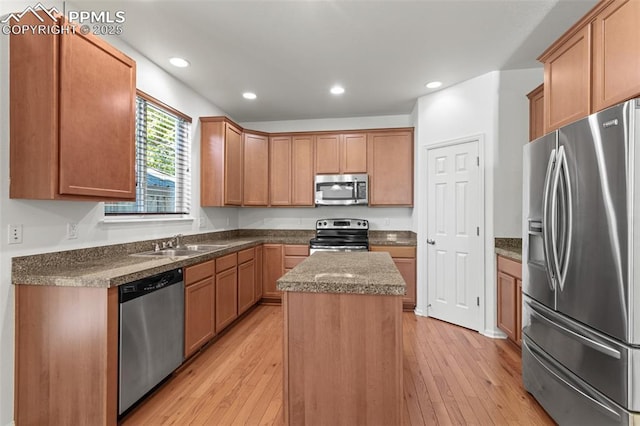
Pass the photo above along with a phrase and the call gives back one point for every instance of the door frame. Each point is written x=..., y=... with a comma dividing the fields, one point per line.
x=421, y=308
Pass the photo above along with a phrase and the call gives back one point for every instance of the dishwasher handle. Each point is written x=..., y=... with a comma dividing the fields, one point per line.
x=147, y=285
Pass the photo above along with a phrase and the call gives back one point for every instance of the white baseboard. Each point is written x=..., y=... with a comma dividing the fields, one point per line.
x=494, y=333
x=420, y=312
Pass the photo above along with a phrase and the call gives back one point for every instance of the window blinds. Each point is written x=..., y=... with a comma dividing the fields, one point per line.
x=163, y=183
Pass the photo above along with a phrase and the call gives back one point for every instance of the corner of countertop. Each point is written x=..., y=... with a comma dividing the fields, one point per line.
x=509, y=247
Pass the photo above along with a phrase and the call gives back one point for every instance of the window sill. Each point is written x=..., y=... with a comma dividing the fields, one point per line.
x=145, y=219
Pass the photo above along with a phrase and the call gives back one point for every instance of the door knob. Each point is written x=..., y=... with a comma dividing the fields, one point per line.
x=432, y=242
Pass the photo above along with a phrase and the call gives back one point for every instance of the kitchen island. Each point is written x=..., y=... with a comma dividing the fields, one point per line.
x=343, y=340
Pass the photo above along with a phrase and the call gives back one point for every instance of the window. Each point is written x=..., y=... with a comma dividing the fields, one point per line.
x=163, y=182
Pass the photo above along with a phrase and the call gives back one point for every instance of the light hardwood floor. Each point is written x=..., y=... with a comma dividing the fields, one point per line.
x=451, y=376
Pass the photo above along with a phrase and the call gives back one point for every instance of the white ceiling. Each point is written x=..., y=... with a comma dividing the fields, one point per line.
x=383, y=52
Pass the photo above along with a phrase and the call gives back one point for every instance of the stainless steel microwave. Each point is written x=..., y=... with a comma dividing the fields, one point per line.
x=342, y=190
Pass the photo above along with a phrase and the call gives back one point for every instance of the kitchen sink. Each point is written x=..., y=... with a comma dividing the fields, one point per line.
x=205, y=247
x=184, y=251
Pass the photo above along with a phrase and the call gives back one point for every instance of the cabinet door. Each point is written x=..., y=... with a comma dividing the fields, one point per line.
x=97, y=119
x=246, y=285
x=616, y=54
x=258, y=278
x=273, y=269
x=302, y=174
x=536, y=113
x=255, y=190
x=354, y=153
x=232, y=166
x=211, y=162
x=199, y=315
x=567, y=81
x=390, y=165
x=226, y=298
x=407, y=268
x=507, y=304
x=328, y=154
x=280, y=171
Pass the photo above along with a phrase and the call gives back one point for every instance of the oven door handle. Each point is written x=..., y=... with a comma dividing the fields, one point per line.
x=353, y=191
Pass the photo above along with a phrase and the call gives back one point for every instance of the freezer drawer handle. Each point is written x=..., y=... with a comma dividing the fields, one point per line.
x=584, y=340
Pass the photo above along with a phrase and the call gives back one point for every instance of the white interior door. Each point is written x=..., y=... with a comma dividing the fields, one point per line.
x=454, y=261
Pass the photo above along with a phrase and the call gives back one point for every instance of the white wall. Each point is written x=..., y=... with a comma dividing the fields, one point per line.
x=493, y=106
x=44, y=222
x=397, y=219
x=513, y=134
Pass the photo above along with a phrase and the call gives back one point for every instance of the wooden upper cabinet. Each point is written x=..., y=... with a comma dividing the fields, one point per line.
x=341, y=153
x=291, y=170
x=220, y=162
x=390, y=166
x=536, y=113
x=233, y=166
x=616, y=53
x=72, y=117
x=354, y=153
x=256, y=170
x=567, y=80
x=302, y=172
x=280, y=171
x=328, y=153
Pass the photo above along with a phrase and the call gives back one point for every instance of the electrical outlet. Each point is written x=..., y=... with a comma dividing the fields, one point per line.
x=203, y=222
x=15, y=234
x=72, y=231
x=386, y=221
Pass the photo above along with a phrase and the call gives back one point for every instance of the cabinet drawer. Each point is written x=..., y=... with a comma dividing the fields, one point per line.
x=296, y=250
x=397, y=251
x=195, y=273
x=511, y=267
x=245, y=255
x=226, y=262
x=291, y=262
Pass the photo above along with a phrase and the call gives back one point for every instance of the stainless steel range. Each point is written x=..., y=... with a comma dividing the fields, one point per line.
x=340, y=235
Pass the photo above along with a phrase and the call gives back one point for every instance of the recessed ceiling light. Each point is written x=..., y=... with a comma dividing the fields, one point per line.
x=249, y=95
x=179, y=62
x=337, y=90
x=433, y=85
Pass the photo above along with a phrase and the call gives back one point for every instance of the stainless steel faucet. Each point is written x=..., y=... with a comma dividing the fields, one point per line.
x=177, y=240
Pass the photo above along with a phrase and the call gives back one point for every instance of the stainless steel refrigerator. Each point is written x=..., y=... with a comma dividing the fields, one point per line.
x=581, y=266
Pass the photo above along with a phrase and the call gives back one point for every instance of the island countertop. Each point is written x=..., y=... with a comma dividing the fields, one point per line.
x=345, y=272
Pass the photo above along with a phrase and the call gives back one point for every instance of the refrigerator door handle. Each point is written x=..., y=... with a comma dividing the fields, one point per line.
x=568, y=212
x=545, y=220
x=554, y=216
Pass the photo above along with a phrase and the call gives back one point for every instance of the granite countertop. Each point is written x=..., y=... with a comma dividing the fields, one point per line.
x=509, y=247
x=114, y=265
x=352, y=273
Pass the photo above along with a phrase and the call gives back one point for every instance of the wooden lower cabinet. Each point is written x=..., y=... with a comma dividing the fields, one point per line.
x=342, y=359
x=66, y=353
x=246, y=280
x=509, y=288
x=257, y=294
x=405, y=259
x=199, y=306
x=226, y=290
x=294, y=255
x=272, y=269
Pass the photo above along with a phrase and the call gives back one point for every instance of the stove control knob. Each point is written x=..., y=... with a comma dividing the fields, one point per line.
x=325, y=223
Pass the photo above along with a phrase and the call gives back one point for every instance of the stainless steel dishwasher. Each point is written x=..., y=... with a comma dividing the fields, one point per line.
x=151, y=334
